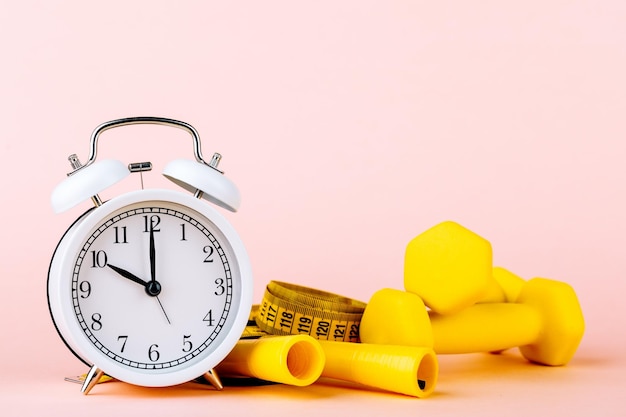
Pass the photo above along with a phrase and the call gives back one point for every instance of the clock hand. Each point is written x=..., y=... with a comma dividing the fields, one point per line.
x=153, y=287
x=146, y=284
x=128, y=275
x=152, y=256
x=163, y=310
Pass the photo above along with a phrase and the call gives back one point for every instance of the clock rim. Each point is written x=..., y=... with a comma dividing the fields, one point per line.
x=72, y=335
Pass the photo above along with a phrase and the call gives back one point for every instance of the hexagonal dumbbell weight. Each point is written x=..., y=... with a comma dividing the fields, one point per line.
x=449, y=267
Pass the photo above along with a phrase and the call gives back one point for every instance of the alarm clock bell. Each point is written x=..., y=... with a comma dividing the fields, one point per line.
x=86, y=182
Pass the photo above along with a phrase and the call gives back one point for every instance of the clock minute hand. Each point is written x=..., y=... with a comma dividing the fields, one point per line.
x=152, y=256
x=153, y=287
x=128, y=275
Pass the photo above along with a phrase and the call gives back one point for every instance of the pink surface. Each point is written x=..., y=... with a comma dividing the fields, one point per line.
x=349, y=127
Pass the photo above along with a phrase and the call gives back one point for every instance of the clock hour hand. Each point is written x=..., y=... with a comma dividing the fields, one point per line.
x=153, y=288
x=128, y=275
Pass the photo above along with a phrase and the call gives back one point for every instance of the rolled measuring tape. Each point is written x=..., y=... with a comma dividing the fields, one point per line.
x=289, y=309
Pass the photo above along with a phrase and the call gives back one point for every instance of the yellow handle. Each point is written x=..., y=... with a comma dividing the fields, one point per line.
x=504, y=288
x=406, y=370
x=485, y=328
x=294, y=360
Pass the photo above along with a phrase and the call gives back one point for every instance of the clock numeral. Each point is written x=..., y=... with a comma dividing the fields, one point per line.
x=96, y=324
x=187, y=345
x=151, y=223
x=182, y=232
x=120, y=234
x=153, y=353
x=220, y=286
x=85, y=288
x=209, y=318
x=208, y=249
x=124, y=339
x=98, y=259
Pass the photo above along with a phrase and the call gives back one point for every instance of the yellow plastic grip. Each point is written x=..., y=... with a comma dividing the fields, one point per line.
x=406, y=370
x=485, y=328
x=294, y=360
x=510, y=283
x=504, y=288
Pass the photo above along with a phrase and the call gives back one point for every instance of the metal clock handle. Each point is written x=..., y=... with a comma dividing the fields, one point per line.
x=93, y=149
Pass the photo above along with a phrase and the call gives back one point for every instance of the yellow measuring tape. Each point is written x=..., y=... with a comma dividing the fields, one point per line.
x=289, y=309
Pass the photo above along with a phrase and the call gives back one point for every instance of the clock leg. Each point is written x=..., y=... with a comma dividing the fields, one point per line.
x=92, y=378
x=212, y=377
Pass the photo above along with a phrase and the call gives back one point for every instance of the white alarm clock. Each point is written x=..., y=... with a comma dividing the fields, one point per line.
x=152, y=287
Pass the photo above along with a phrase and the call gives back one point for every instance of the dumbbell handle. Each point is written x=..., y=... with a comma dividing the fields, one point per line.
x=486, y=328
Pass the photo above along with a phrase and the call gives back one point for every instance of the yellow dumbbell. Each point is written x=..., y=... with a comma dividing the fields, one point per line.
x=545, y=322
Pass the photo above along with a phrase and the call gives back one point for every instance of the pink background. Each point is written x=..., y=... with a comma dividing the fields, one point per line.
x=350, y=127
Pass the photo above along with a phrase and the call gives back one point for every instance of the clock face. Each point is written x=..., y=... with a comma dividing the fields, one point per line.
x=154, y=287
